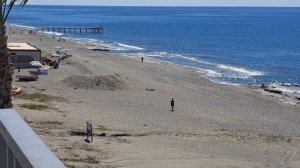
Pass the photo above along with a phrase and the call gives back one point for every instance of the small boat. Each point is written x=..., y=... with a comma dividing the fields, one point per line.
x=27, y=77
x=15, y=90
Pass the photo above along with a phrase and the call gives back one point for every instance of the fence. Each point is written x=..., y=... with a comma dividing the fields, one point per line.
x=20, y=147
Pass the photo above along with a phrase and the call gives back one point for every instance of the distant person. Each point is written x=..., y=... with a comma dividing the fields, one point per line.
x=142, y=59
x=172, y=104
x=56, y=65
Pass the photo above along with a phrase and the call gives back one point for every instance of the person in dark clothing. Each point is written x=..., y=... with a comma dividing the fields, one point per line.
x=55, y=65
x=172, y=104
x=142, y=59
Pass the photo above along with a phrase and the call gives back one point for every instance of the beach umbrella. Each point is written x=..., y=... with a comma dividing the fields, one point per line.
x=36, y=63
x=55, y=55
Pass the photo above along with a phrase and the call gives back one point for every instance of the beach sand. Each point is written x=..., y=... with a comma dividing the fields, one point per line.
x=212, y=126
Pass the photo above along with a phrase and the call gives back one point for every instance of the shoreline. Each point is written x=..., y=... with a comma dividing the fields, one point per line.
x=278, y=91
x=288, y=92
x=212, y=126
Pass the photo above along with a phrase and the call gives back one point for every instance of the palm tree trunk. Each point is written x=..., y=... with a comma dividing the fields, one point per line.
x=6, y=70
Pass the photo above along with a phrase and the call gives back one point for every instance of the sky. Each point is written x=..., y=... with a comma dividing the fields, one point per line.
x=266, y=3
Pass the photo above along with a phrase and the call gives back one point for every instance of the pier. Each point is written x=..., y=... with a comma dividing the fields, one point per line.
x=74, y=30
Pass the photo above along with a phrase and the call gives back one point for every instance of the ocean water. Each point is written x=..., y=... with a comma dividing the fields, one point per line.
x=244, y=46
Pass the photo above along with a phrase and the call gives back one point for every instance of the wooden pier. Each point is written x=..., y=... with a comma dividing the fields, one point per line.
x=73, y=30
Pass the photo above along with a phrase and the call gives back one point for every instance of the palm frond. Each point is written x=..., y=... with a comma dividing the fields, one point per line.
x=7, y=6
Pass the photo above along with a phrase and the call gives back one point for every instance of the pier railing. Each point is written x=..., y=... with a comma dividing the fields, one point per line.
x=20, y=147
x=73, y=30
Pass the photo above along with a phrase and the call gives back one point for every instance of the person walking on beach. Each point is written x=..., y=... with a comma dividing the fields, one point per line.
x=142, y=59
x=172, y=104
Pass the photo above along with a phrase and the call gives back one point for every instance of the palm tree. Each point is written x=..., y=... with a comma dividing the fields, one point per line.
x=6, y=68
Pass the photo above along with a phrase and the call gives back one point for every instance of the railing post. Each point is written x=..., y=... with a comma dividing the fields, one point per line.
x=17, y=140
x=3, y=152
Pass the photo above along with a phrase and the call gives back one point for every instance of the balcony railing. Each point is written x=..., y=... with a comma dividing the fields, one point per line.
x=20, y=146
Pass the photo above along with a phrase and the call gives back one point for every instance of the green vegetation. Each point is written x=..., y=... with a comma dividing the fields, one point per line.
x=6, y=67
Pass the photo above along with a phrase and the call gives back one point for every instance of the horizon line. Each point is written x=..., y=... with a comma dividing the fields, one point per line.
x=209, y=6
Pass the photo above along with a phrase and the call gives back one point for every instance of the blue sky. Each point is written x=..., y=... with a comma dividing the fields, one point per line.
x=292, y=3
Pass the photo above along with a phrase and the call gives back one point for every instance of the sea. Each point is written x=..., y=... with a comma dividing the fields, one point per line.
x=227, y=45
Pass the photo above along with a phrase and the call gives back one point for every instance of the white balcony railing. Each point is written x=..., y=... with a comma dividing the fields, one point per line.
x=20, y=147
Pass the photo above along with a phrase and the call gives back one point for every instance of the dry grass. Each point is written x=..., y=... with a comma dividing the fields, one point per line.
x=49, y=123
x=88, y=159
x=102, y=128
x=34, y=106
x=38, y=97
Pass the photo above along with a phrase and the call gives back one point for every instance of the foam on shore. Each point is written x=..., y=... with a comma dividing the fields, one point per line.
x=53, y=33
x=122, y=47
x=22, y=26
x=242, y=70
x=218, y=73
x=286, y=88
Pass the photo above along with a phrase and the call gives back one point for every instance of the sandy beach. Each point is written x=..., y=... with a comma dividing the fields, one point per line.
x=212, y=126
